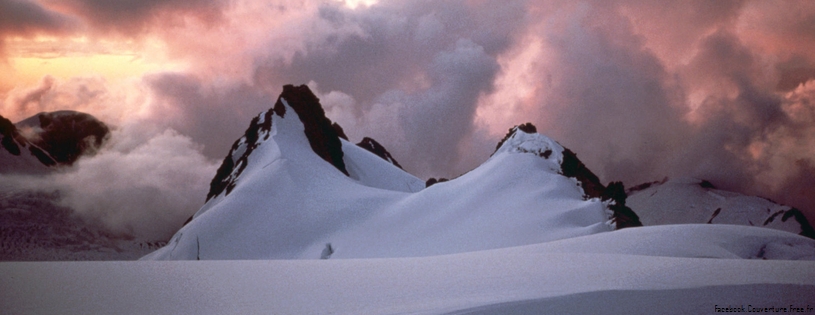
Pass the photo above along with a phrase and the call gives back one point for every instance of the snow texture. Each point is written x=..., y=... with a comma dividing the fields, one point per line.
x=689, y=269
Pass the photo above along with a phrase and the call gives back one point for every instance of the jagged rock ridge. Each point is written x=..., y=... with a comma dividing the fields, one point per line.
x=376, y=148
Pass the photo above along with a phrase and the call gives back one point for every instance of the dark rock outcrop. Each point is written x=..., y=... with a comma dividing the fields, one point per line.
x=9, y=133
x=527, y=127
x=432, y=181
x=339, y=130
x=806, y=228
x=231, y=168
x=376, y=148
x=323, y=138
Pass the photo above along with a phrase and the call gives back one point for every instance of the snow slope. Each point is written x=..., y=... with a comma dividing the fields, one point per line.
x=285, y=202
x=648, y=270
x=690, y=200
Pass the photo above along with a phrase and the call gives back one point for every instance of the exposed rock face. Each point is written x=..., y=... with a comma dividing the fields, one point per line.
x=10, y=136
x=376, y=148
x=233, y=165
x=66, y=135
x=806, y=228
x=432, y=181
x=323, y=137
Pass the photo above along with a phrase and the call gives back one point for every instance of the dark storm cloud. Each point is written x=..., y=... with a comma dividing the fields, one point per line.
x=604, y=96
x=28, y=18
x=24, y=17
x=214, y=116
x=731, y=122
x=414, y=68
x=133, y=16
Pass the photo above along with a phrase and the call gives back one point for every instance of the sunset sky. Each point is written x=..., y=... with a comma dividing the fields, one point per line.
x=640, y=90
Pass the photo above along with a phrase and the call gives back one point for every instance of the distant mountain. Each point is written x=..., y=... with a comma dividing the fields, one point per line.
x=48, y=139
x=287, y=190
x=65, y=135
x=690, y=200
x=33, y=224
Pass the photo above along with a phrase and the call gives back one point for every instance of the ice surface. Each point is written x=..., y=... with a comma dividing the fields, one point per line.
x=620, y=272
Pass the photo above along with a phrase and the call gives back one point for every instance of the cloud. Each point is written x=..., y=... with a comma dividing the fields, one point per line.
x=24, y=17
x=131, y=17
x=412, y=71
x=213, y=115
x=111, y=103
x=719, y=90
x=146, y=191
x=28, y=18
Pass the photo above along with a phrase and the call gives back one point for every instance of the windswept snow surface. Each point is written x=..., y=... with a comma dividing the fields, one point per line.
x=648, y=270
x=288, y=204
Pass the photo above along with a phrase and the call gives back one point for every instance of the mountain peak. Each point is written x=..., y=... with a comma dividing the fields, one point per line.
x=323, y=136
x=65, y=135
x=524, y=138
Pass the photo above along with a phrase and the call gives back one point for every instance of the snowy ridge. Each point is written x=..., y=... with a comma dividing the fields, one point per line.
x=690, y=200
x=372, y=170
x=522, y=142
x=281, y=200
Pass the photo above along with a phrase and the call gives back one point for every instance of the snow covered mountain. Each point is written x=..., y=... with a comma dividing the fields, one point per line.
x=33, y=224
x=690, y=200
x=530, y=231
x=292, y=188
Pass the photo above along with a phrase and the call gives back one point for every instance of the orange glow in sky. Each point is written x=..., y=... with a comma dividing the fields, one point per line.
x=30, y=60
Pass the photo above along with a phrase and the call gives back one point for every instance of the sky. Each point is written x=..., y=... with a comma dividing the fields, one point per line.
x=640, y=90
